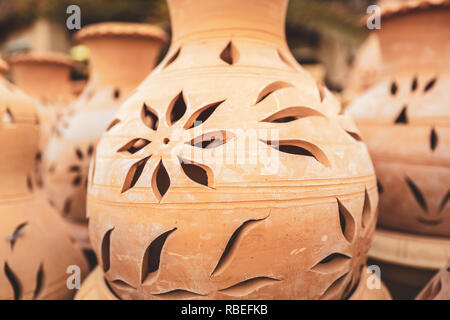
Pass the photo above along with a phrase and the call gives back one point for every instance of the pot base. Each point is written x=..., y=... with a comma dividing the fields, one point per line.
x=96, y=288
x=407, y=261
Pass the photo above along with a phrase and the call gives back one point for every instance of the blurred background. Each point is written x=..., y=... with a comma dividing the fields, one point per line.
x=324, y=35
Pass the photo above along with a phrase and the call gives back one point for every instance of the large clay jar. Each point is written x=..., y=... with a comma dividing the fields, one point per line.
x=122, y=55
x=44, y=76
x=405, y=120
x=438, y=288
x=35, y=248
x=230, y=174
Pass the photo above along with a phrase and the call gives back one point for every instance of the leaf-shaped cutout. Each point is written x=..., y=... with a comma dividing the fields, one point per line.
x=29, y=184
x=176, y=110
x=160, y=181
x=149, y=117
x=106, y=248
x=366, y=215
x=417, y=194
x=67, y=206
x=18, y=232
x=13, y=281
x=332, y=263
x=230, y=54
x=120, y=284
x=248, y=286
x=173, y=58
x=152, y=257
x=444, y=201
x=285, y=60
x=347, y=222
x=198, y=172
x=414, y=84
x=134, y=173
x=211, y=139
x=111, y=290
x=380, y=187
x=178, y=294
x=90, y=150
x=134, y=145
x=113, y=124
x=233, y=244
x=354, y=135
x=433, y=139
x=74, y=168
x=402, y=118
x=77, y=180
x=332, y=292
x=201, y=115
x=116, y=93
x=8, y=116
x=271, y=88
x=300, y=147
x=321, y=89
x=394, y=88
x=430, y=85
x=79, y=153
x=292, y=114
x=39, y=282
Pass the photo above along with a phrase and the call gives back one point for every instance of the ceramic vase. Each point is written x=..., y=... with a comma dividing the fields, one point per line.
x=230, y=174
x=36, y=249
x=45, y=76
x=122, y=55
x=405, y=121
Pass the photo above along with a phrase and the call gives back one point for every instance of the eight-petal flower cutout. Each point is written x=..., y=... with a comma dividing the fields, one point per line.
x=164, y=138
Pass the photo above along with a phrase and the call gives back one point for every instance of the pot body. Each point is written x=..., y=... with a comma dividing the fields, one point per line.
x=230, y=174
x=36, y=250
x=405, y=121
x=119, y=62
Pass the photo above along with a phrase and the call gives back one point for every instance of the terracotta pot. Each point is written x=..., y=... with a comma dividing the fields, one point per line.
x=438, y=288
x=405, y=120
x=230, y=174
x=122, y=55
x=36, y=249
x=44, y=76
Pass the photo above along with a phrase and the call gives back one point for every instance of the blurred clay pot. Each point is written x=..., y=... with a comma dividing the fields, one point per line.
x=44, y=76
x=405, y=120
x=439, y=287
x=122, y=55
x=36, y=249
x=287, y=214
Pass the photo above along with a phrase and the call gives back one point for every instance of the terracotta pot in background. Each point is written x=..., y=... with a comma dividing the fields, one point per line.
x=169, y=192
x=44, y=76
x=405, y=121
x=122, y=55
x=36, y=250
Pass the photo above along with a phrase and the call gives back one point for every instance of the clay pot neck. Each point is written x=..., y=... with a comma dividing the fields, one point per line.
x=417, y=41
x=121, y=61
x=260, y=19
x=46, y=81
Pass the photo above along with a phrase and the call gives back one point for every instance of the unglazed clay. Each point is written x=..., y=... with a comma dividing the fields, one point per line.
x=230, y=174
x=122, y=54
x=438, y=288
x=96, y=287
x=44, y=76
x=405, y=120
x=35, y=247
